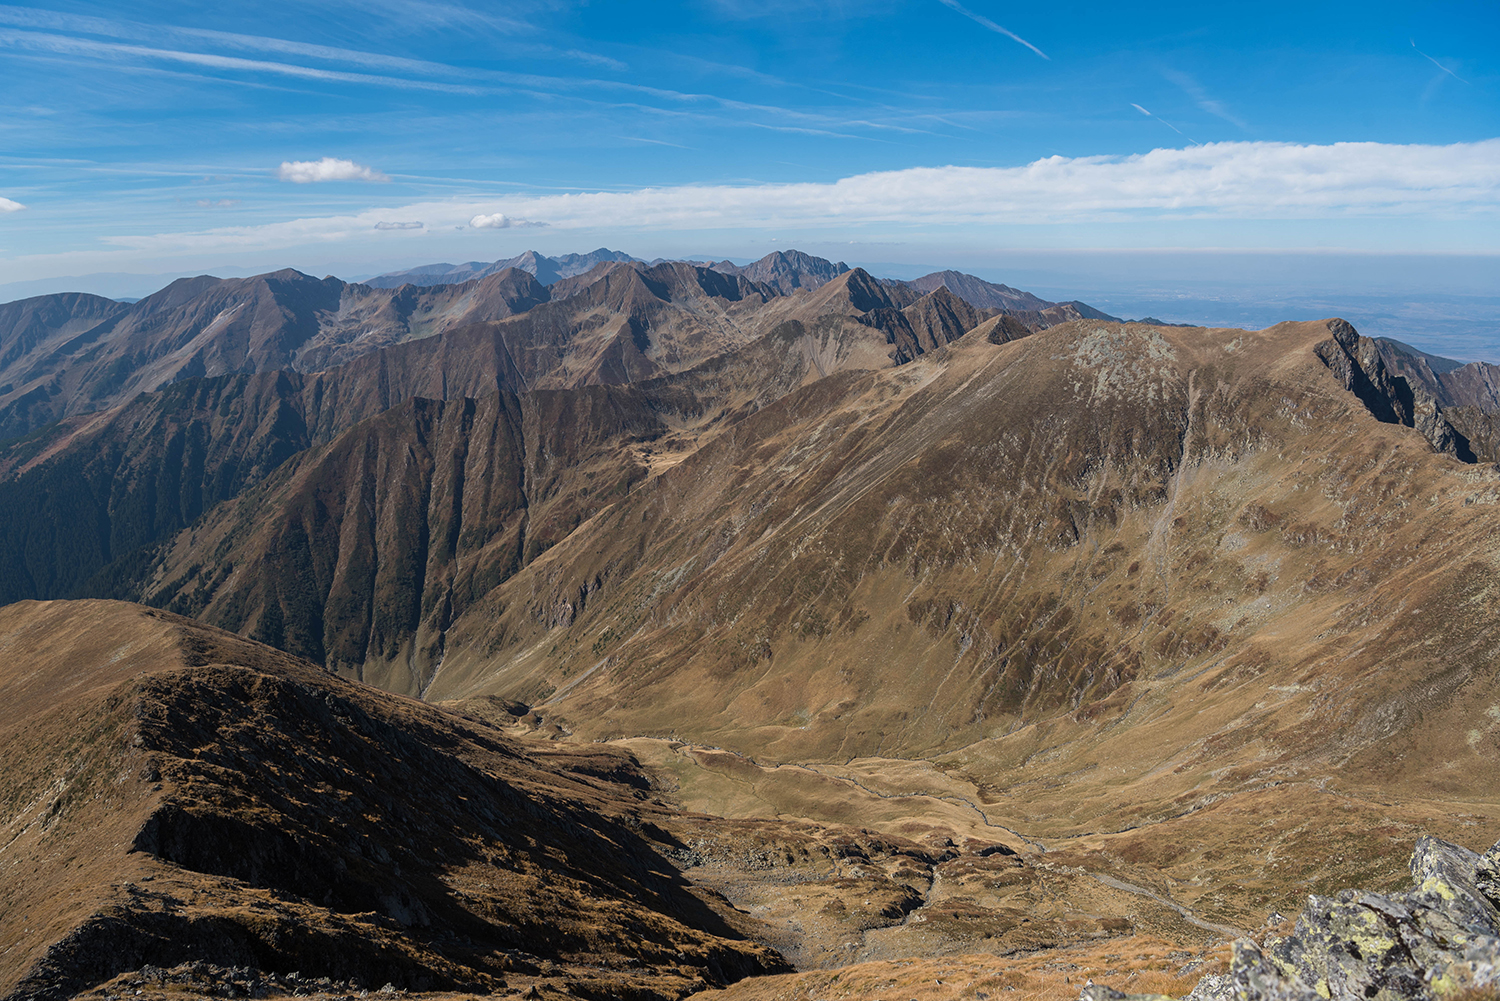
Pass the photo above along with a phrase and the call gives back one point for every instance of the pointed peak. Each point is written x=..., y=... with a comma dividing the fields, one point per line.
x=284, y=275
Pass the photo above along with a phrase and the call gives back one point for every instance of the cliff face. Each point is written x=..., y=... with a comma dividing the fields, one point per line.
x=1392, y=399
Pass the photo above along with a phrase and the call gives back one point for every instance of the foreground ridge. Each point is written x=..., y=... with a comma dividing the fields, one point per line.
x=1436, y=940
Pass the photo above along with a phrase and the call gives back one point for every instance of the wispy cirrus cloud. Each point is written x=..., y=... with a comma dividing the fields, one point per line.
x=34, y=18
x=134, y=47
x=430, y=16
x=399, y=225
x=1225, y=181
x=37, y=41
x=327, y=169
x=983, y=21
x=653, y=142
x=1193, y=89
x=396, y=71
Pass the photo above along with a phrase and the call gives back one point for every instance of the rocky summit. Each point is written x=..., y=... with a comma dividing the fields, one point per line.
x=597, y=628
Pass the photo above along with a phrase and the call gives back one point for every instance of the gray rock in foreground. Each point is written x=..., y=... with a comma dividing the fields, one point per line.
x=1439, y=938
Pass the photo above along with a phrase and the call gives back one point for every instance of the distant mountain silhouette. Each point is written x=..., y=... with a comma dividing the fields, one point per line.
x=546, y=270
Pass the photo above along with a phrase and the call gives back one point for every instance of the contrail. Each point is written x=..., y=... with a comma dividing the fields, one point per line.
x=981, y=19
x=1424, y=56
x=1168, y=124
x=654, y=142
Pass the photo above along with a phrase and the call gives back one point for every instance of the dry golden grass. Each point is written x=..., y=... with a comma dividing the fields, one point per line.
x=1138, y=964
x=1488, y=993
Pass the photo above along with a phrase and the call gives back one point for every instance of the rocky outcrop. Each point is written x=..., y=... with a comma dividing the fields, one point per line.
x=1452, y=383
x=1440, y=938
x=1390, y=398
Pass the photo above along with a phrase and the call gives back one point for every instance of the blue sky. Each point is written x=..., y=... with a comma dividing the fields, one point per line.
x=360, y=137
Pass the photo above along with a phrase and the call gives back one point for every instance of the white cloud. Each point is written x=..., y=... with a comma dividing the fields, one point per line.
x=1219, y=181
x=6, y=205
x=326, y=169
x=397, y=225
x=500, y=220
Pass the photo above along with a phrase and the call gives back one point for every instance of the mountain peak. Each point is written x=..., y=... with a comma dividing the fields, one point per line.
x=787, y=270
x=980, y=293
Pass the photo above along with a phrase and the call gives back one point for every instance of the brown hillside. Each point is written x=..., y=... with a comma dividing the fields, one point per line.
x=974, y=580
x=1093, y=578
x=190, y=814
x=173, y=794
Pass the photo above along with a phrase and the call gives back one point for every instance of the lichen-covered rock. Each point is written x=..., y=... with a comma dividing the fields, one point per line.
x=1098, y=992
x=1253, y=977
x=1441, y=937
x=1213, y=987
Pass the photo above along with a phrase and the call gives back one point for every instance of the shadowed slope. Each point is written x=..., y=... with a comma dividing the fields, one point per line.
x=360, y=553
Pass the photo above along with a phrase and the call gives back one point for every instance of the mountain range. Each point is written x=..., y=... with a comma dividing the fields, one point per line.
x=659, y=626
x=546, y=270
x=67, y=354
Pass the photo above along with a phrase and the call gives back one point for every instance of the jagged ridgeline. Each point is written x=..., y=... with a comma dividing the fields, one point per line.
x=89, y=493
x=938, y=559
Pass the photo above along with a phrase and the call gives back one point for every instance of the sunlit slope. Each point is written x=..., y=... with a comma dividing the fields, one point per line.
x=1173, y=561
